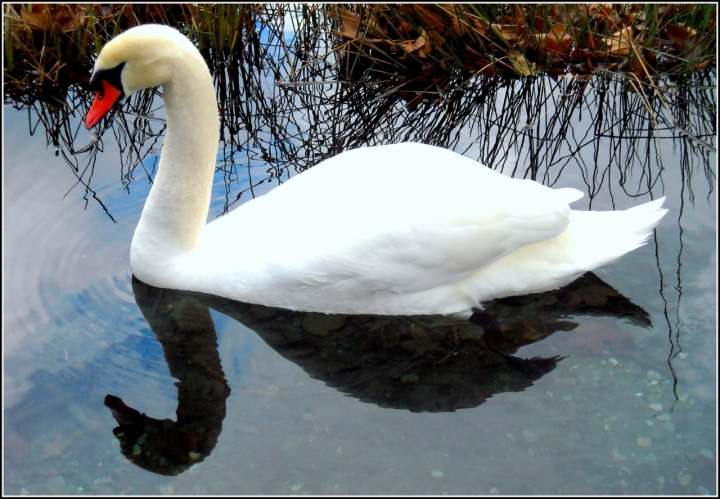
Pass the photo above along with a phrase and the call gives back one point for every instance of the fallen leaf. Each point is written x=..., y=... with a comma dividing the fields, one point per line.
x=592, y=42
x=69, y=18
x=520, y=64
x=420, y=45
x=37, y=17
x=679, y=36
x=619, y=43
x=558, y=39
x=350, y=25
x=479, y=25
x=507, y=31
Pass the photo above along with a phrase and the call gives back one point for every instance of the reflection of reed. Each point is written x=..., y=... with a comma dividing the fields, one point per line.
x=602, y=127
x=59, y=114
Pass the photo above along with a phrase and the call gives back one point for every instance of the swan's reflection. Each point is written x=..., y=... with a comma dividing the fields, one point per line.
x=418, y=363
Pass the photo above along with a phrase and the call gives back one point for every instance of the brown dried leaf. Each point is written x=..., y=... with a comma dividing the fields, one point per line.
x=592, y=42
x=408, y=46
x=620, y=42
x=350, y=25
x=558, y=39
x=429, y=18
x=507, y=31
x=420, y=45
x=479, y=25
x=455, y=23
x=69, y=18
x=474, y=53
x=561, y=33
x=520, y=15
x=422, y=40
x=38, y=18
x=702, y=65
x=679, y=36
x=405, y=28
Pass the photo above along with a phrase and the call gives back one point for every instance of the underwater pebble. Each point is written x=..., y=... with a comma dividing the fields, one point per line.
x=495, y=490
x=24, y=491
x=436, y=473
x=682, y=355
x=104, y=479
x=617, y=455
x=656, y=406
x=644, y=441
x=708, y=453
x=685, y=479
x=653, y=375
x=296, y=487
x=663, y=418
x=321, y=324
x=409, y=378
x=613, y=361
x=702, y=491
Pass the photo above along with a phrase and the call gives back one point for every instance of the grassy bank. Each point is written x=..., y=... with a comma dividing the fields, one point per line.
x=47, y=43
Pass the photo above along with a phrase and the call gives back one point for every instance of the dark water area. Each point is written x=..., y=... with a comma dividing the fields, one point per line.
x=607, y=386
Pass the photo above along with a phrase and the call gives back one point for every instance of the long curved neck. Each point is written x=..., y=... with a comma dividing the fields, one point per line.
x=176, y=209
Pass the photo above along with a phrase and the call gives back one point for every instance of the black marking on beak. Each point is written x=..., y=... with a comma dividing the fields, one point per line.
x=112, y=76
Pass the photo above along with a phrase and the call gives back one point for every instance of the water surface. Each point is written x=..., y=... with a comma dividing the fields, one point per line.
x=611, y=405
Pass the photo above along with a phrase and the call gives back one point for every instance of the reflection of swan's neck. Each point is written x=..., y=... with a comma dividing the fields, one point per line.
x=176, y=209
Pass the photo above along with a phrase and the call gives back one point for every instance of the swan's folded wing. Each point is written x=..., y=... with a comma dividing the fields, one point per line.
x=353, y=229
x=419, y=247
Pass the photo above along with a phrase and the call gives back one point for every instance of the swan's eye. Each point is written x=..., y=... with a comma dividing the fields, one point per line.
x=103, y=77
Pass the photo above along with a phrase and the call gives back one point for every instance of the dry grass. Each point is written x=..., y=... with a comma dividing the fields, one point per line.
x=46, y=43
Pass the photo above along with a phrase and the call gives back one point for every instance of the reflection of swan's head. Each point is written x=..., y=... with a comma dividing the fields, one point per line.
x=154, y=445
x=142, y=57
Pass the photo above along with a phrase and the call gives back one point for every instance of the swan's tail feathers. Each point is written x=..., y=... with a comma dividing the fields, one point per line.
x=643, y=219
x=602, y=237
x=568, y=194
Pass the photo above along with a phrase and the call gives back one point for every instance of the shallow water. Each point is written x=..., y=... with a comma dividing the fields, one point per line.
x=624, y=409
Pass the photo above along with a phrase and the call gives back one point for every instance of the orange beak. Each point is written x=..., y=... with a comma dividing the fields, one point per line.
x=105, y=99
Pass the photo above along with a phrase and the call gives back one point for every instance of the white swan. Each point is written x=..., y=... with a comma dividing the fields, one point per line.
x=397, y=229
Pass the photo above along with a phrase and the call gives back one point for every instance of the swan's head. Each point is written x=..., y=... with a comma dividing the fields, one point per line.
x=142, y=57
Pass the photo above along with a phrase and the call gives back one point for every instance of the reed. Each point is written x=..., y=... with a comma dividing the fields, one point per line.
x=572, y=38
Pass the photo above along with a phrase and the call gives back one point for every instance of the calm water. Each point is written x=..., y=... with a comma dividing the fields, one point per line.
x=614, y=407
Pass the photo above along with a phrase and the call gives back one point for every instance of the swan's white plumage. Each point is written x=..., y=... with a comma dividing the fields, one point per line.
x=397, y=229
